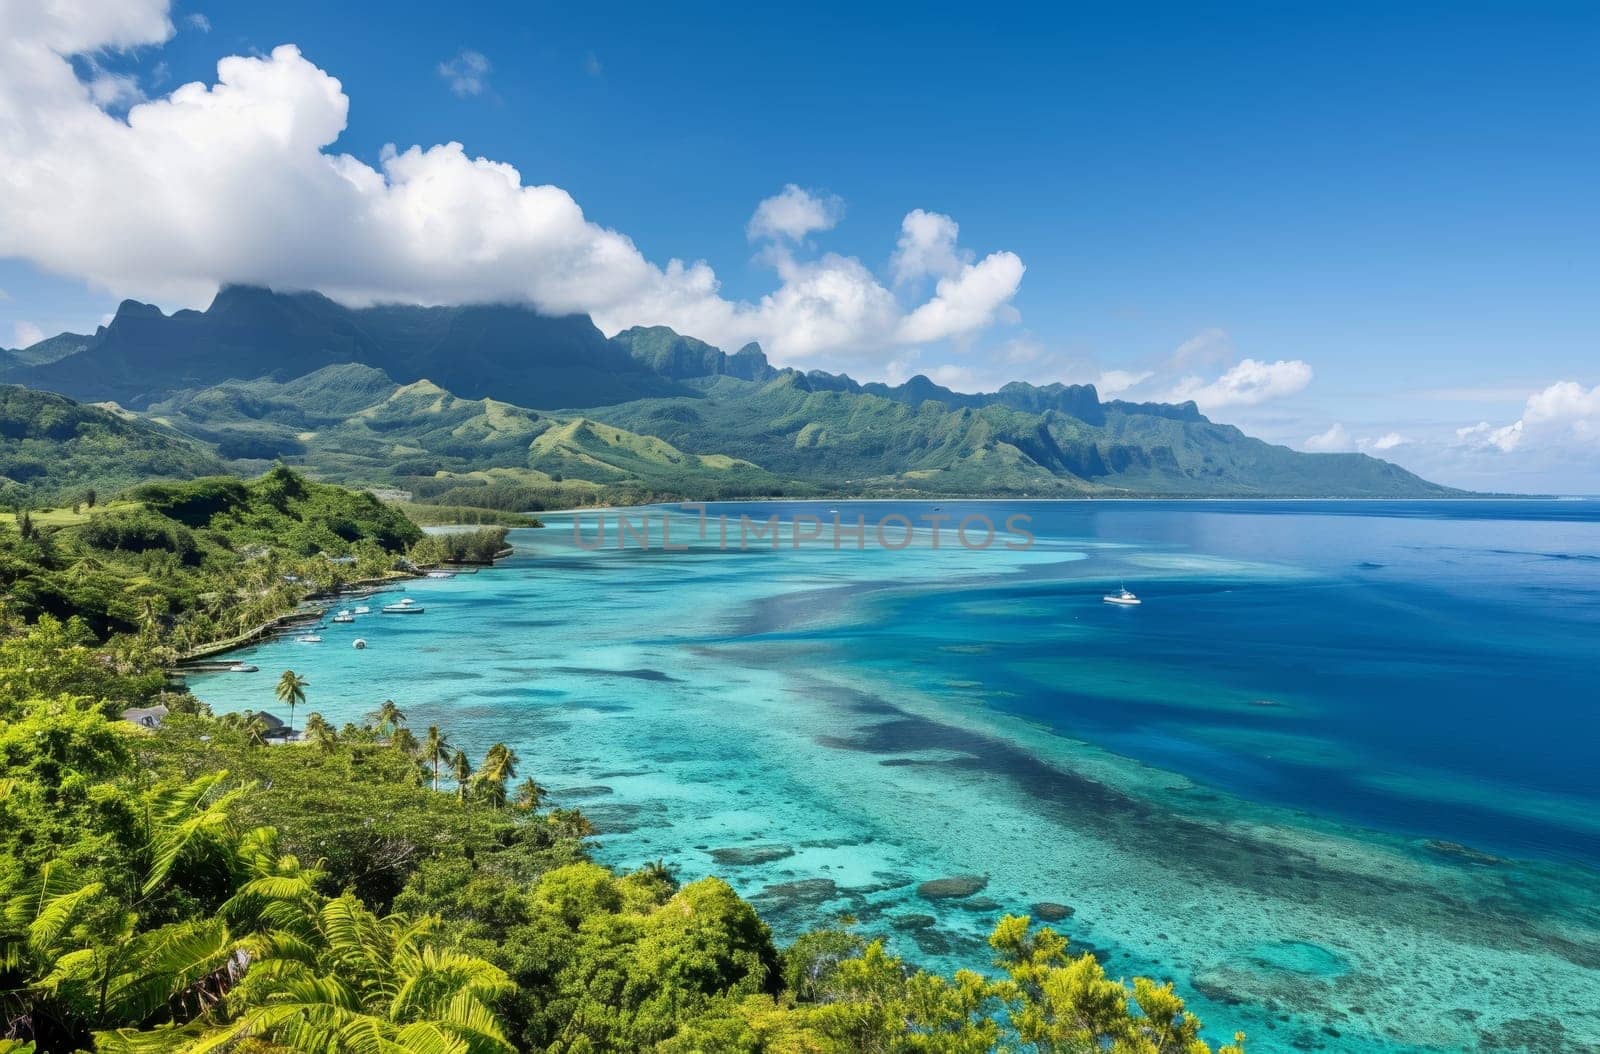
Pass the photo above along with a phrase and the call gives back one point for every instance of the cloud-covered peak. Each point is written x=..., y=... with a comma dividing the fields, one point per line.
x=235, y=182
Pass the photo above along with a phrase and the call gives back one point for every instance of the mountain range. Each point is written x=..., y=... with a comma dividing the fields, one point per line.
x=499, y=404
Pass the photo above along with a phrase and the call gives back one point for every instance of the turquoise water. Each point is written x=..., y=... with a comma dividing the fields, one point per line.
x=1335, y=777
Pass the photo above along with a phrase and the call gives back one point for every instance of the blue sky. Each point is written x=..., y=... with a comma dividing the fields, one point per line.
x=1401, y=201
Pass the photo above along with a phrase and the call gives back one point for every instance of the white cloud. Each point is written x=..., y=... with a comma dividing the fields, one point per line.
x=235, y=182
x=1564, y=416
x=467, y=73
x=927, y=247
x=1387, y=441
x=1248, y=383
x=793, y=213
x=591, y=64
x=1110, y=382
x=1336, y=439
x=26, y=334
x=199, y=22
x=113, y=90
x=966, y=301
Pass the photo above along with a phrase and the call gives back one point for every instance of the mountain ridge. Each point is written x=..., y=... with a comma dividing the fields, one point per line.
x=393, y=393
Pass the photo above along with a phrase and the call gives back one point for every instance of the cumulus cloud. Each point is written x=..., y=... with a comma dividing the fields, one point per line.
x=1387, y=441
x=927, y=246
x=467, y=73
x=966, y=301
x=1564, y=416
x=1335, y=439
x=234, y=181
x=793, y=213
x=26, y=334
x=1247, y=383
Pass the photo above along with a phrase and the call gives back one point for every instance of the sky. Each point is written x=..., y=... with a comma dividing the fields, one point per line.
x=1340, y=227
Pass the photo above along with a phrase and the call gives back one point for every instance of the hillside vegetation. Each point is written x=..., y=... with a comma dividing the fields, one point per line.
x=54, y=448
x=183, y=564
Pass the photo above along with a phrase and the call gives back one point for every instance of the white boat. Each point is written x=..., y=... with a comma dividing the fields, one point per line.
x=363, y=610
x=308, y=638
x=405, y=607
x=358, y=644
x=344, y=616
x=1122, y=596
x=244, y=667
x=441, y=574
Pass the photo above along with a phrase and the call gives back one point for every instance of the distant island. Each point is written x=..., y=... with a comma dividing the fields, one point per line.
x=500, y=407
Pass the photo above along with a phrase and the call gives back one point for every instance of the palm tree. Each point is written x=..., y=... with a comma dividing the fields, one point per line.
x=292, y=690
x=320, y=732
x=500, y=763
x=435, y=751
x=461, y=769
x=529, y=794
x=404, y=742
x=388, y=718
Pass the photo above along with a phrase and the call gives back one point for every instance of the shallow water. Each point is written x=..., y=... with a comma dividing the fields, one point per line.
x=1335, y=777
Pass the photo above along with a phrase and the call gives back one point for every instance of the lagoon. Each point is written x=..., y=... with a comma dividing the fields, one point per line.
x=1334, y=777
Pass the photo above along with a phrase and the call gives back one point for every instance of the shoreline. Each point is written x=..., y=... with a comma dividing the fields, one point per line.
x=1540, y=498
x=361, y=587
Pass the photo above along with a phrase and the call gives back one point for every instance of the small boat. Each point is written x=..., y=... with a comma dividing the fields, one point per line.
x=441, y=574
x=1122, y=596
x=358, y=644
x=344, y=616
x=308, y=638
x=405, y=607
x=244, y=667
x=363, y=610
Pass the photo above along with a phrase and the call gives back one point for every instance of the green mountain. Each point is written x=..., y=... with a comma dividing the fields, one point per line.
x=53, y=447
x=51, y=349
x=143, y=356
x=853, y=441
x=537, y=409
x=354, y=423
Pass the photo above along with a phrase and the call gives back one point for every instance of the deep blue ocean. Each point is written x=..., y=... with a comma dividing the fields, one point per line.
x=1335, y=777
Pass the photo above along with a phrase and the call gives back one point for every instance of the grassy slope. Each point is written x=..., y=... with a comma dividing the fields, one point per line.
x=53, y=447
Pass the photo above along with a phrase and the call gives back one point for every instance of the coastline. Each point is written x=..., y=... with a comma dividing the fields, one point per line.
x=1120, y=499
